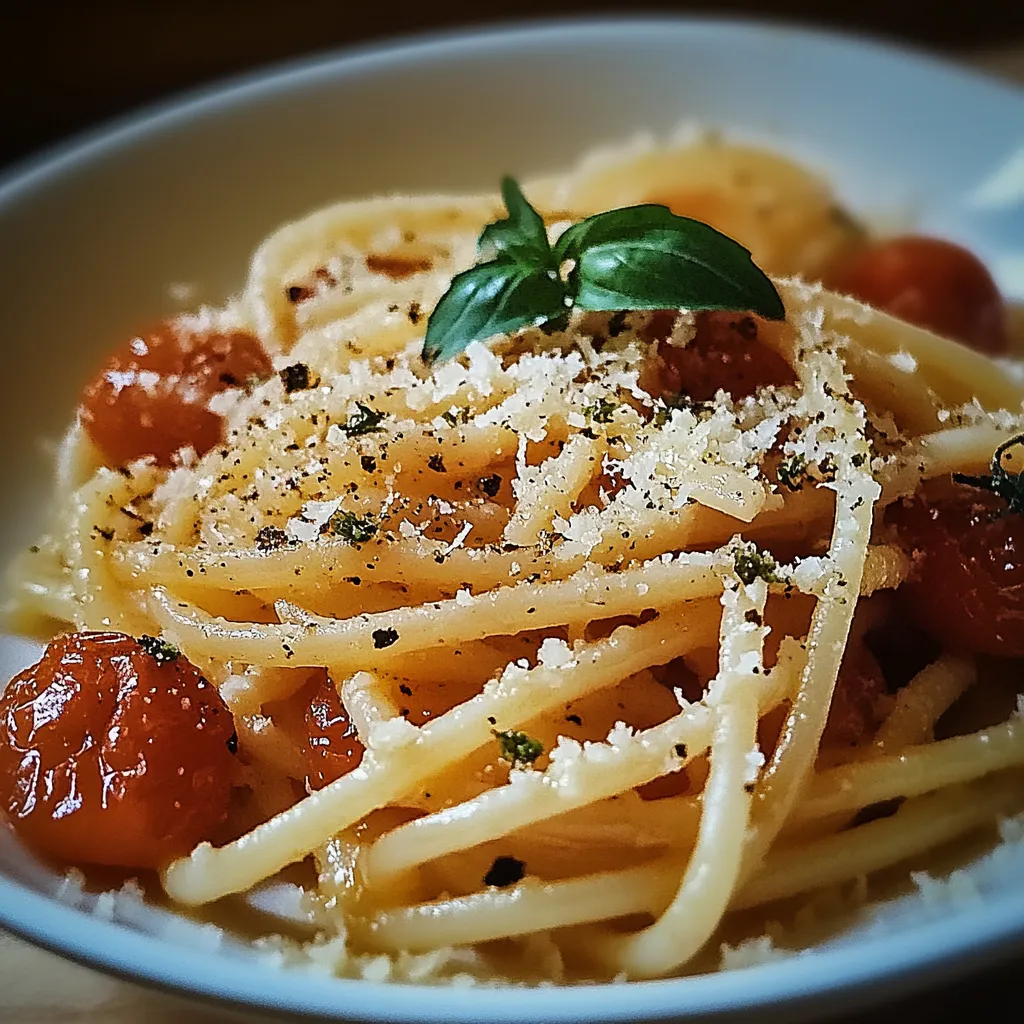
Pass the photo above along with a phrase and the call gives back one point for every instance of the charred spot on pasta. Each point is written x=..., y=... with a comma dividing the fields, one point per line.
x=396, y=265
x=436, y=463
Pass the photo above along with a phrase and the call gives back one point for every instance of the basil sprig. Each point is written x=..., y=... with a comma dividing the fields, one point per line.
x=638, y=257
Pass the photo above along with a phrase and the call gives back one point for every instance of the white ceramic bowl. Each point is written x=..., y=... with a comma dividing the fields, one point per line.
x=93, y=234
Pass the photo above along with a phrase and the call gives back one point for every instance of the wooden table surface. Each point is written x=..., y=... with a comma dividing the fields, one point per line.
x=37, y=987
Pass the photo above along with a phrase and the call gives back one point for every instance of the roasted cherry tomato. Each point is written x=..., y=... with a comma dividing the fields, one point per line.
x=318, y=724
x=151, y=397
x=114, y=751
x=725, y=354
x=933, y=284
x=852, y=716
x=967, y=584
x=853, y=712
x=333, y=748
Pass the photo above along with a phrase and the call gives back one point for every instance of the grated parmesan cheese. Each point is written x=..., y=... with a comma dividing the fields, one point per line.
x=958, y=889
x=555, y=653
x=459, y=538
x=755, y=762
x=305, y=527
x=903, y=361
x=750, y=952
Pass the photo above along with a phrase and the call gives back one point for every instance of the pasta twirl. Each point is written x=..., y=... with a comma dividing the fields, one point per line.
x=579, y=634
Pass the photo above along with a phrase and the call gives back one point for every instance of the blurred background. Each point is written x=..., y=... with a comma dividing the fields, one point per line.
x=65, y=66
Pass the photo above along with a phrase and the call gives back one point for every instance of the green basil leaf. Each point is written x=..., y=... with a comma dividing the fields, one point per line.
x=499, y=297
x=639, y=257
x=522, y=234
x=613, y=226
x=648, y=258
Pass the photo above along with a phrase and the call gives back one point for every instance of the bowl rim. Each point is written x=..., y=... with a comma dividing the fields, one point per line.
x=865, y=973
x=892, y=963
x=37, y=167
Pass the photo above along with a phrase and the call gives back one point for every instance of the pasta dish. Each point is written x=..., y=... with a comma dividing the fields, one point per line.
x=543, y=587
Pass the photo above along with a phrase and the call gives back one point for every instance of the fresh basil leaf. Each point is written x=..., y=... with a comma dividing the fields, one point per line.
x=499, y=297
x=613, y=226
x=522, y=234
x=648, y=258
x=638, y=257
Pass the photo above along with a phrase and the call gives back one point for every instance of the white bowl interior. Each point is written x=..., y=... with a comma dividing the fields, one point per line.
x=93, y=236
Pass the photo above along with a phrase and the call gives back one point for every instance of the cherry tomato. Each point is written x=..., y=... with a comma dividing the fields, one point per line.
x=967, y=584
x=151, y=397
x=320, y=728
x=725, y=354
x=852, y=716
x=114, y=751
x=933, y=284
x=333, y=748
x=861, y=680
x=325, y=735
x=654, y=705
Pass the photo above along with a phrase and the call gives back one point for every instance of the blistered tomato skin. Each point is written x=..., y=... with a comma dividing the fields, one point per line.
x=725, y=354
x=151, y=397
x=931, y=283
x=110, y=756
x=334, y=747
x=966, y=587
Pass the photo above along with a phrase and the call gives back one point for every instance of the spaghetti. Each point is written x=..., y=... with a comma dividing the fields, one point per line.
x=536, y=654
